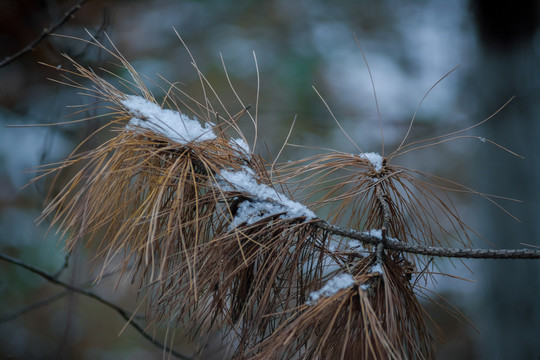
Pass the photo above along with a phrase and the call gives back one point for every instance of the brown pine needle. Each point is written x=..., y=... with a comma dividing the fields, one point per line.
x=244, y=257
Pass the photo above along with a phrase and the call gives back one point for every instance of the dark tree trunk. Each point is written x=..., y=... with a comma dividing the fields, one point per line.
x=509, y=64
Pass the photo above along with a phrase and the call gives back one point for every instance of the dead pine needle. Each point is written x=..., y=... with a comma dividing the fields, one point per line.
x=218, y=239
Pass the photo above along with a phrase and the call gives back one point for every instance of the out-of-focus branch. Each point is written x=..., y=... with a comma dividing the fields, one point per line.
x=123, y=313
x=32, y=307
x=44, y=34
x=44, y=302
x=98, y=33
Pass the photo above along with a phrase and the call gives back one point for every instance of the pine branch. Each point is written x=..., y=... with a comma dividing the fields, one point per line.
x=44, y=34
x=396, y=245
x=123, y=313
x=431, y=250
x=212, y=236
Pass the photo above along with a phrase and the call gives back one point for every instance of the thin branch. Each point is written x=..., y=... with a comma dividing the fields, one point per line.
x=431, y=250
x=397, y=245
x=32, y=307
x=64, y=265
x=123, y=313
x=99, y=32
x=44, y=302
x=44, y=33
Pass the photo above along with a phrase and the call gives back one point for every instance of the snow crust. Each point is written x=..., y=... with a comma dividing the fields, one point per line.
x=377, y=233
x=252, y=211
x=240, y=145
x=376, y=269
x=375, y=159
x=267, y=201
x=173, y=125
x=337, y=283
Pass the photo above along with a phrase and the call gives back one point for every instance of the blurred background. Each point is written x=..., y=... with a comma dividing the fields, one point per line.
x=409, y=46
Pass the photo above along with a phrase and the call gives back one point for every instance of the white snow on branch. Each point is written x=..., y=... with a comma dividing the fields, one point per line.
x=266, y=200
x=337, y=283
x=375, y=159
x=377, y=233
x=376, y=269
x=250, y=212
x=175, y=126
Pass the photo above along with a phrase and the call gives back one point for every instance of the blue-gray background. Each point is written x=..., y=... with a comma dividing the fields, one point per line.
x=409, y=46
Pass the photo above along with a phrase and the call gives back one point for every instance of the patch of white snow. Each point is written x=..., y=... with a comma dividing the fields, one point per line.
x=267, y=202
x=175, y=126
x=337, y=283
x=376, y=269
x=375, y=159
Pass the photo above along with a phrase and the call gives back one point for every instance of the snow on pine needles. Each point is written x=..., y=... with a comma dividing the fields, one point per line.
x=179, y=128
x=173, y=125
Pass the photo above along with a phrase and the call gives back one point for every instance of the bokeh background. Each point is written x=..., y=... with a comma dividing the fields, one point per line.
x=409, y=46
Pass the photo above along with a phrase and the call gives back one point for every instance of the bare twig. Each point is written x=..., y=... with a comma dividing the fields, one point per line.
x=99, y=32
x=64, y=265
x=32, y=307
x=44, y=302
x=431, y=250
x=44, y=33
x=123, y=313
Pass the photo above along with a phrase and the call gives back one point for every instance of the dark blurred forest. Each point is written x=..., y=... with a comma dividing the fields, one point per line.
x=408, y=45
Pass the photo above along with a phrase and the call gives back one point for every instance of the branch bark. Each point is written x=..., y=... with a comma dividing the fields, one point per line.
x=430, y=250
x=383, y=242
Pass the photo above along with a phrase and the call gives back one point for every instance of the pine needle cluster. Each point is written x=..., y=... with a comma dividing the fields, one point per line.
x=215, y=241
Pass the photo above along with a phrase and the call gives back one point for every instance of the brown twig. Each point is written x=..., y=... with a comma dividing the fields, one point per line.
x=44, y=33
x=123, y=313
